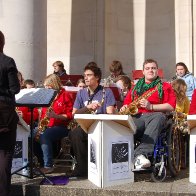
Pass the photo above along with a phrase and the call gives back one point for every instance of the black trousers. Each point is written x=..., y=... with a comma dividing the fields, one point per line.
x=79, y=144
x=7, y=145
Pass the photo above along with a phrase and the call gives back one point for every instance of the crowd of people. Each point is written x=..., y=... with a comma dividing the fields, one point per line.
x=151, y=96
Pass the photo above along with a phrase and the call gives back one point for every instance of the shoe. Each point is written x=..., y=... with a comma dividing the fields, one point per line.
x=141, y=162
x=47, y=170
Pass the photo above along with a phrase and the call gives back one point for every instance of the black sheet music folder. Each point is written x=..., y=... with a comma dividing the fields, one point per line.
x=39, y=97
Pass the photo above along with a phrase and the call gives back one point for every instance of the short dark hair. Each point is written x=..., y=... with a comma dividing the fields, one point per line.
x=29, y=81
x=95, y=69
x=2, y=41
x=150, y=61
x=116, y=66
x=183, y=65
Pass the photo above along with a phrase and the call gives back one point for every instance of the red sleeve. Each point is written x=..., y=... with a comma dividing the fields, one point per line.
x=128, y=98
x=69, y=105
x=169, y=94
x=193, y=104
x=26, y=114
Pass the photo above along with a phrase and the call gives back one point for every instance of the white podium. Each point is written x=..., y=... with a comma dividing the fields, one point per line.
x=192, y=151
x=110, y=148
x=21, y=147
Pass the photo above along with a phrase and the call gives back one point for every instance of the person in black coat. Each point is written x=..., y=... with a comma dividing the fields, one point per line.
x=9, y=86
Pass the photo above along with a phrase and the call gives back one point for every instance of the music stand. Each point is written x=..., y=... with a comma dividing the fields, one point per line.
x=28, y=99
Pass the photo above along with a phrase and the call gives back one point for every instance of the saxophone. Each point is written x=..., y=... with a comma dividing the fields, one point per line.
x=132, y=108
x=43, y=123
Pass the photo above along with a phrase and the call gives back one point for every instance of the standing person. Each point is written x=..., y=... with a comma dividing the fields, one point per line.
x=182, y=72
x=94, y=98
x=57, y=117
x=9, y=86
x=153, y=98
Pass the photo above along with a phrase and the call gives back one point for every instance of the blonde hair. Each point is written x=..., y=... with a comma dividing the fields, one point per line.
x=54, y=81
x=180, y=87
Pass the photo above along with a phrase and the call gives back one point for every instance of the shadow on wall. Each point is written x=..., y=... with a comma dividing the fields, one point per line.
x=101, y=31
x=83, y=34
x=160, y=34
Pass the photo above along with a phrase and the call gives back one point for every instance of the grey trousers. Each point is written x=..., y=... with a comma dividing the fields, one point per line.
x=149, y=126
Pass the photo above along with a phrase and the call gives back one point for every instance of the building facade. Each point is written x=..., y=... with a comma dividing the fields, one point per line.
x=78, y=31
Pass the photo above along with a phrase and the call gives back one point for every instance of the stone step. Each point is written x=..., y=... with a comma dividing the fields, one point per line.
x=142, y=186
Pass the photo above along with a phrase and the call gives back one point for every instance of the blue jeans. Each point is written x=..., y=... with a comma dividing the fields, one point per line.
x=49, y=136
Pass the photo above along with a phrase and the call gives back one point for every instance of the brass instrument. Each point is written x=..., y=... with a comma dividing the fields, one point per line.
x=132, y=108
x=181, y=122
x=43, y=123
x=73, y=123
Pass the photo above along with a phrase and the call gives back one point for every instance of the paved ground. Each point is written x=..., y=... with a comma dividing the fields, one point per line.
x=143, y=185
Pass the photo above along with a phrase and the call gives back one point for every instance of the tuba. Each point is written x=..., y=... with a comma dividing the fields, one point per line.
x=43, y=124
x=132, y=108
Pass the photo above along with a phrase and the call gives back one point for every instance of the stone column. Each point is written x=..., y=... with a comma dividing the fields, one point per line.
x=24, y=24
x=184, y=36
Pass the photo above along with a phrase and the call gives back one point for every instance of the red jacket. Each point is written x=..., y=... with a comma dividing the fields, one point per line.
x=168, y=97
x=63, y=104
x=193, y=103
x=26, y=114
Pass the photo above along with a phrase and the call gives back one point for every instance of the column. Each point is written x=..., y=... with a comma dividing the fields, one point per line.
x=24, y=24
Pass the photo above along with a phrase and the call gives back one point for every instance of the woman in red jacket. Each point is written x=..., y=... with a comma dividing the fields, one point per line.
x=58, y=115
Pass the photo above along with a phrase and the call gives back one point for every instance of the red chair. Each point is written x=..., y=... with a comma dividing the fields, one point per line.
x=70, y=80
x=137, y=74
x=115, y=92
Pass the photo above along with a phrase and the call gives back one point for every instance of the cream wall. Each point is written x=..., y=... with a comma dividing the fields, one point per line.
x=76, y=32
x=129, y=31
x=185, y=25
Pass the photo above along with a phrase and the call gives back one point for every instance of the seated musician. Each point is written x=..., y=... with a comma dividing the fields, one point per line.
x=53, y=122
x=92, y=99
x=25, y=112
x=193, y=104
x=182, y=101
x=182, y=104
x=153, y=98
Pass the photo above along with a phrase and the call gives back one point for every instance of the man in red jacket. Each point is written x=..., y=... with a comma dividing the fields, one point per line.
x=153, y=98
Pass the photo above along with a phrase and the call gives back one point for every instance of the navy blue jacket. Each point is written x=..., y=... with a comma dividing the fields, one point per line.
x=9, y=83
